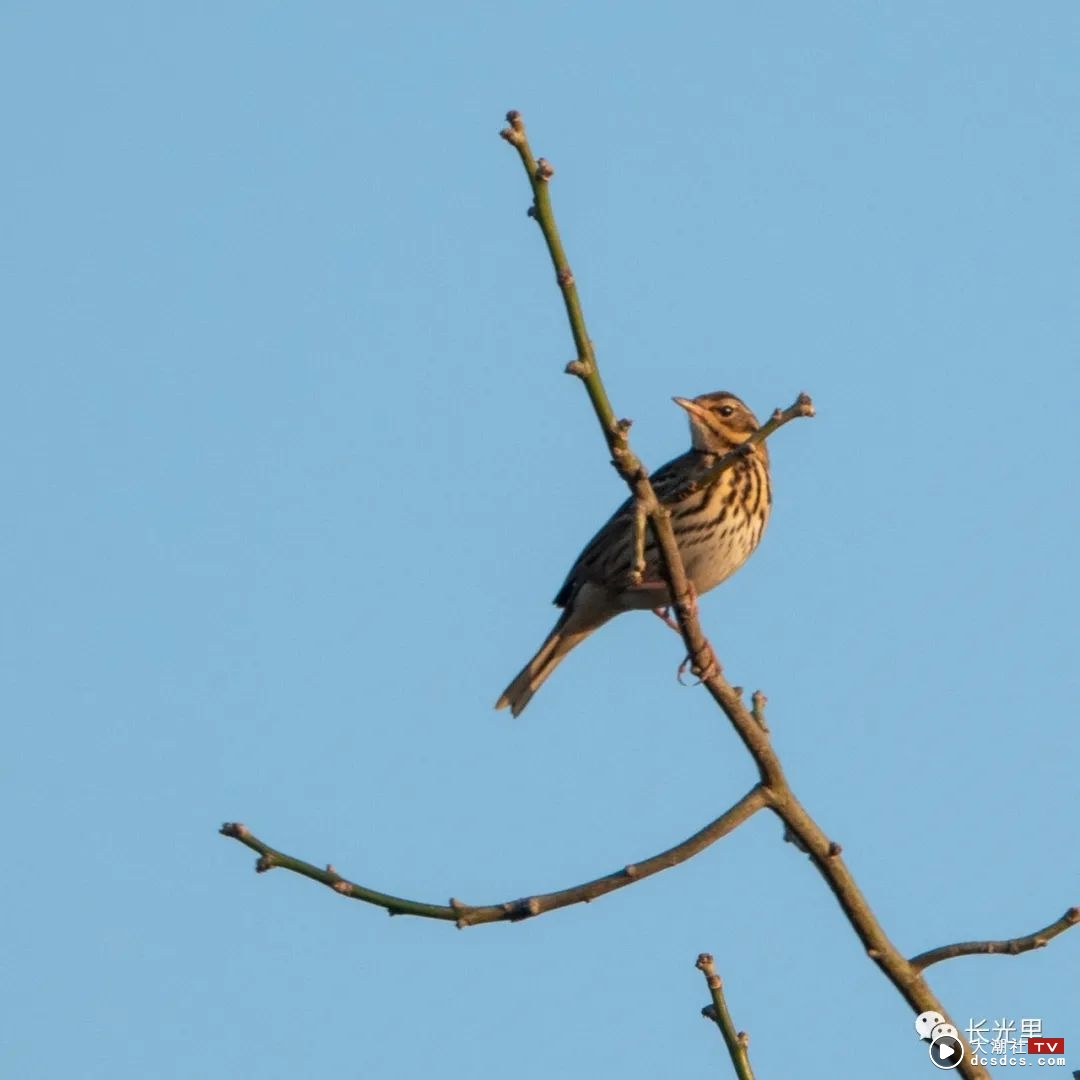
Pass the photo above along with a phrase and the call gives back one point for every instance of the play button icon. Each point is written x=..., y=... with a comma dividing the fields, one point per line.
x=946, y=1052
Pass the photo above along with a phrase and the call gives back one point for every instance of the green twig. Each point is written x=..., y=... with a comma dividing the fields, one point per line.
x=540, y=173
x=738, y=1043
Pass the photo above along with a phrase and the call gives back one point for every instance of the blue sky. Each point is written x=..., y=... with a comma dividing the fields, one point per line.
x=292, y=475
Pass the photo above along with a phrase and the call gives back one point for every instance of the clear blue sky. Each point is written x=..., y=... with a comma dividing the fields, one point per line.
x=292, y=474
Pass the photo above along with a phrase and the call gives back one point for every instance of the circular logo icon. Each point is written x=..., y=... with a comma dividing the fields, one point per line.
x=946, y=1051
x=926, y=1022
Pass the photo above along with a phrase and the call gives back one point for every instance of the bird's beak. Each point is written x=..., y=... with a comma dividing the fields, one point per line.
x=692, y=407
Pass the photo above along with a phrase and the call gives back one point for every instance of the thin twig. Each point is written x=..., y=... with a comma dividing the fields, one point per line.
x=512, y=910
x=738, y=1043
x=1009, y=946
x=637, y=567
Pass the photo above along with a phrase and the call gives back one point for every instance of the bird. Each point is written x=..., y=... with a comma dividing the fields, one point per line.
x=718, y=522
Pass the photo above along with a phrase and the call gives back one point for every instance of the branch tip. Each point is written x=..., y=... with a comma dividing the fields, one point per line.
x=1010, y=947
x=515, y=133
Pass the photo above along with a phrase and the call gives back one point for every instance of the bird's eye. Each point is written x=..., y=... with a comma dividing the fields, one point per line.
x=727, y=410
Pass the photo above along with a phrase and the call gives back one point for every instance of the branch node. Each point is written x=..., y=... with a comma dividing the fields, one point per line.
x=525, y=908
x=345, y=889
x=544, y=169
x=630, y=870
x=581, y=368
x=565, y=277
x=531, y=212
x=834, y=850
x=758, y=701
x=793, y=838
x=264, y=863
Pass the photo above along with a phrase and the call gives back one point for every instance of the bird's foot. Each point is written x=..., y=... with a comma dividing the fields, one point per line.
x=700, y=671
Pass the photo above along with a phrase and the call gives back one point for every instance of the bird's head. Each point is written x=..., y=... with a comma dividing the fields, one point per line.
x=719, y=422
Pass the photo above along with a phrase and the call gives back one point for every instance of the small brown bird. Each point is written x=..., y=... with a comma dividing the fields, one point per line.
x=717, y=528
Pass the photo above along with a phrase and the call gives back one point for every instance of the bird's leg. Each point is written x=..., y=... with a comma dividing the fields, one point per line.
x=711, y=665
x=664, y=613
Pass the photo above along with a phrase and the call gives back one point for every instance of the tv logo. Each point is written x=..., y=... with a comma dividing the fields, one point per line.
x=1044, y=1045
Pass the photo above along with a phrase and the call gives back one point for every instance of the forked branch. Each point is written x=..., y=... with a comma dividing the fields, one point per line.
x=773, y=790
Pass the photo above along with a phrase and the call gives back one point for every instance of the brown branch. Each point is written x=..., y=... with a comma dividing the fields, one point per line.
x=512, y=910
x=773, y=790
x=1010, y=946
x=799, y=825
x=738, y=1043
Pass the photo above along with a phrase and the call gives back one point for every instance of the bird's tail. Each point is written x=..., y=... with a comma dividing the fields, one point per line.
x=557, y=644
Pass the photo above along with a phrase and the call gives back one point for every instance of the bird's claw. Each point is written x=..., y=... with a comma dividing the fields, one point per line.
x=701, y=674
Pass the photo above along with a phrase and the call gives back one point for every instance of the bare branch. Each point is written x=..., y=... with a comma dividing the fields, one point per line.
x=773, y=790
x=806, y=833
x=738, y=1043
x=512, y=910
x=1009, y=947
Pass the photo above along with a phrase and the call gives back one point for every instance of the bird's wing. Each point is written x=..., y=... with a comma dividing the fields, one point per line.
x=607, y=556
